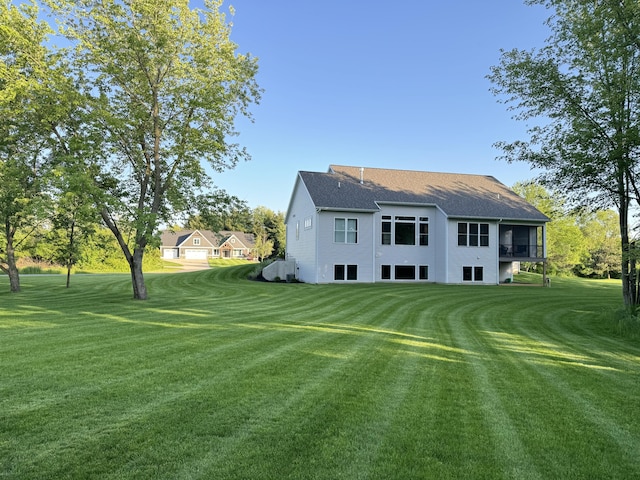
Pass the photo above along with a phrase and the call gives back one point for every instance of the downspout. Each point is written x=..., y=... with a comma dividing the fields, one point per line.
x=317, y=245
x=498, y=251
x=374, y=265
x=544, y=255
x=446, y=249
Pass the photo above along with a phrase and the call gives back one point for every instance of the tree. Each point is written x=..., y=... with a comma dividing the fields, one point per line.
x=602, y=237
x=29, y=76
x=583, y=90
x=164, y=83
x=565, y=241
x=263, y=246
x=74, y=222
x=218, y=210
x=270, y=225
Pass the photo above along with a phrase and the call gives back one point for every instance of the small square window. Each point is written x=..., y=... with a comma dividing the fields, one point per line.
x=338, y=272
x=196, y=241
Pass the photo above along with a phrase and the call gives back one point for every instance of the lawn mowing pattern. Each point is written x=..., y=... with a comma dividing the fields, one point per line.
x=219, y=377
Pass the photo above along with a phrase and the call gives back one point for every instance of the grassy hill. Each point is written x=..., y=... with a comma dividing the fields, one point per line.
x=219, y=377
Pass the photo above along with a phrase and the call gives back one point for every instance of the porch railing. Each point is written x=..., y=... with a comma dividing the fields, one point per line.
x=521, y=250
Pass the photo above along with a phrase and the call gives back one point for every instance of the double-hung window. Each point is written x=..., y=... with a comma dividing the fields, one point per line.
x=424, y=230
x=386, y=230
x=345, y=230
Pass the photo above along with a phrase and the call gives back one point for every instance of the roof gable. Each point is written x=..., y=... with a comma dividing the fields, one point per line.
x=457, y=195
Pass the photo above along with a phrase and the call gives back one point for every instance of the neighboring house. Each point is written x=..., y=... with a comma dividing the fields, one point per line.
x=380, y=225
x=203, y=244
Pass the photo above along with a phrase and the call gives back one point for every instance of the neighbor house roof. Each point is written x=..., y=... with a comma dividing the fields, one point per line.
x=457, y=195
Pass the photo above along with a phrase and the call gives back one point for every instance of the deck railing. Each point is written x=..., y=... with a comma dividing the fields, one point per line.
x=521, y=250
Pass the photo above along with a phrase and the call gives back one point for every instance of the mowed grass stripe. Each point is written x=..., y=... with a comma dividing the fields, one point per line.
x=590, y=394
x=218, y=377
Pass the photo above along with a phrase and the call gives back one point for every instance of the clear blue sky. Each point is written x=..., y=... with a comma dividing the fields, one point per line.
x=376, y=84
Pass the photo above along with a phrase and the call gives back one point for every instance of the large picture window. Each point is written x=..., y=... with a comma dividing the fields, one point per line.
x=345, y=230
x=473, y=234
x=405, y=230
x=401, y=230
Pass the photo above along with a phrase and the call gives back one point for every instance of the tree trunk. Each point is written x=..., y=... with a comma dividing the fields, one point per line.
x=137, y=278
x=134, y=260
x=11, y=269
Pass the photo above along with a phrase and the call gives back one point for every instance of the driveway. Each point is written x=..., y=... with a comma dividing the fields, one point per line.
x=191, y=265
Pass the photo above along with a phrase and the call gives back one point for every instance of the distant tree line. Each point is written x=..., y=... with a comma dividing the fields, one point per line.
x=60, y=240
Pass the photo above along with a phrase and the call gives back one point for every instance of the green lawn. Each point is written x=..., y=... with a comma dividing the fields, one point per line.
x=216, y=377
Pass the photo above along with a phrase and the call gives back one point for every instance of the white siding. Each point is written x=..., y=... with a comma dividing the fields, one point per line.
x=466, y=256
x=301, y=240
x=406, y=255
x=331, y=253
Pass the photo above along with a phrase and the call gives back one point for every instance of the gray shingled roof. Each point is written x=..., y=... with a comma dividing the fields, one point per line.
x=458, y=195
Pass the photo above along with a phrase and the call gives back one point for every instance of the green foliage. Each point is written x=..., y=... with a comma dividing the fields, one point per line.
x=100, y=253
x=163, y=84
x=269, y=229
x=582, y=91
x=602, y=237
x=219, y=377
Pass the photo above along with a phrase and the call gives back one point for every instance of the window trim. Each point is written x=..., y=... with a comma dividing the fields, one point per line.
x=473, y=234
x=389, y=230
x=473, y=273
x=346, y=233
x=348, y=272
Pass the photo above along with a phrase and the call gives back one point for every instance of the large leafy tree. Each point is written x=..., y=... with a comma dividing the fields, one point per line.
x=31, y=79
x=582, y=93
x=165, y=83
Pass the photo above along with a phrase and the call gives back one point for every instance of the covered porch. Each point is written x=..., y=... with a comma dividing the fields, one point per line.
x=521, y=243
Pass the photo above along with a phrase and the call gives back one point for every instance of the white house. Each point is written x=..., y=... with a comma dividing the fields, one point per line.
x=354, y=224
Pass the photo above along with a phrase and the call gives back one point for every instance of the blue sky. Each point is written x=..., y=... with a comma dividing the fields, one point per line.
x=376, y=84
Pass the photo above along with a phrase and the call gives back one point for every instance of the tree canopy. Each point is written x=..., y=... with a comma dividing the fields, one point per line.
x=163, y=83
x=582, y=93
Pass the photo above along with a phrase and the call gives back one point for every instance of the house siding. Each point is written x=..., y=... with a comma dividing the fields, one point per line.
x=331, y=253
x=473, y=256
x=301, y=241
x=406, y=255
